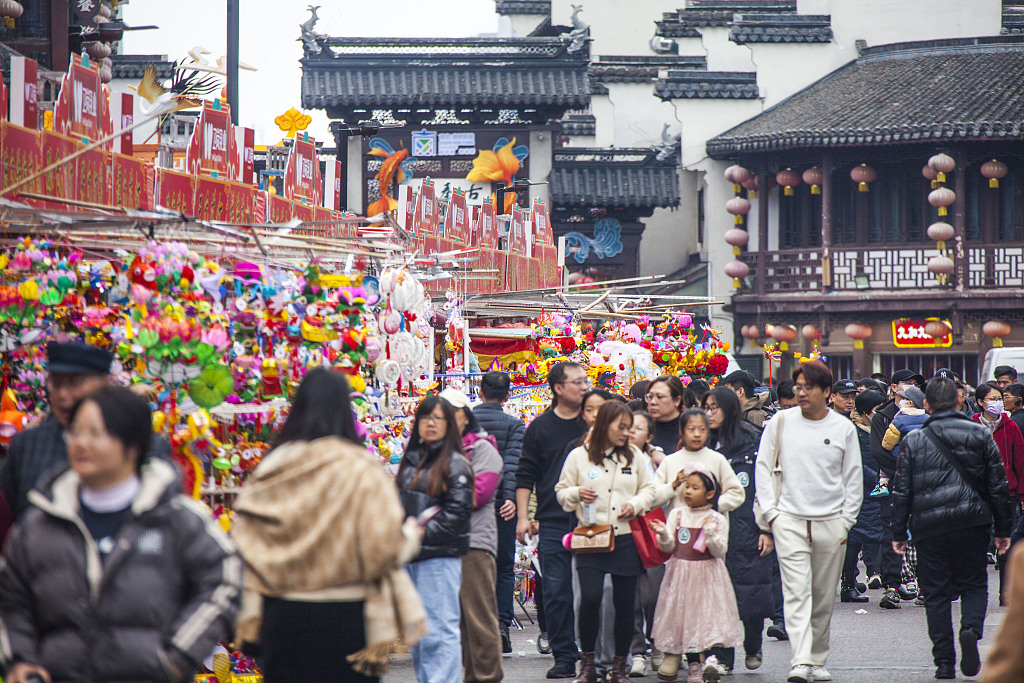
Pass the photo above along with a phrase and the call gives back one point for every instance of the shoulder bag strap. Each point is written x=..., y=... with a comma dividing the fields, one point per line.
x=954, y=461
x=777, y=468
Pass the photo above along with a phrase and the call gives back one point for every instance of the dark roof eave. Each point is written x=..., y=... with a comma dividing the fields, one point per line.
x=725, y=148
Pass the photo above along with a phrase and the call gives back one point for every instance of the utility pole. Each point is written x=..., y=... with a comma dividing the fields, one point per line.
x=232, y=59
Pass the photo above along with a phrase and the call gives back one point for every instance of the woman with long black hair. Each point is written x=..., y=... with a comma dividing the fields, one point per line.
x=667, y=398
x=749, y=559
x=436, y=484
x=321, y=530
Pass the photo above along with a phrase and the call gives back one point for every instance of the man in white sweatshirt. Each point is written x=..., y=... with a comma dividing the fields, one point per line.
x=820, y=486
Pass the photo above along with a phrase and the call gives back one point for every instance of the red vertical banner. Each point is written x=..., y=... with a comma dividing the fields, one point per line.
x=426, y=210
x=499, y=263
x=209, y=149
x=549, y=266
x=457, y=221
x=93, y=177
x=177, y=191
x=245, y=139
x=129, y=188
x=122, y=108
x=280, y=209
x=3, y=101
x=303, y=171
x=260, y=207
x=60, y=182
x=24, y=92
x=487, y=227
x=541, y=219
x=305, y=213
x=80, y=108
x=22, y=152
x=517, y=232
x=410, y=200
x=241, y=203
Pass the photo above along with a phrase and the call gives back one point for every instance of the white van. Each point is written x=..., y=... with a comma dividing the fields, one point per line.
x=1012, y=356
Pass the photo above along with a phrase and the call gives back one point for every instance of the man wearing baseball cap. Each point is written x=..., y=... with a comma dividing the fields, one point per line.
x=844, y=392
x=73, y=372
x=890, y=563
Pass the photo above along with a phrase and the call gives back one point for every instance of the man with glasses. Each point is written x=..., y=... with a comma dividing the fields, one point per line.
x=73, y=372
x=540, y=466
x=1013, y=403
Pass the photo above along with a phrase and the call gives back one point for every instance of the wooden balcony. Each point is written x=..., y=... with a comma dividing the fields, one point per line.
x=895, y=267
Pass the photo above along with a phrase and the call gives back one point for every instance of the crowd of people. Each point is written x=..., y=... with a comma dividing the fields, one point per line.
x=671, y=525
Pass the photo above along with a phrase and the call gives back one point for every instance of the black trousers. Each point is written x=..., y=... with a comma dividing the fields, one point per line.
x=538, y=601
x=850, y=570
x=309, y=641
x=889, y=564
x=951, y=564
x=753, y=638
x=623, y=595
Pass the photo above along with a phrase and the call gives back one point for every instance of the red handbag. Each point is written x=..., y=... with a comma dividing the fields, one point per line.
x=646, y=540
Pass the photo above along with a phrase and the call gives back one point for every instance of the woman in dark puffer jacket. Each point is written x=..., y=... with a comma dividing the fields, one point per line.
x=112, y=574
x=435, y=474
x=749, y=559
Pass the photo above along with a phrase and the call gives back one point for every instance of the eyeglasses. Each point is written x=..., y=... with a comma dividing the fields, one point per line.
x=580, y=382
x=74, y=434
x=711, y=409
x=651, y=398
x=434, y=419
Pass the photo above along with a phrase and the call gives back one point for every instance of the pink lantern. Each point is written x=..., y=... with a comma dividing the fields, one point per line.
x=941, y=164
x=930, y=174
x=737, y=269
x=738, y=207
x=937, y=329
x=750, y=333
x=941, y=265
x=784, y=333
x=941, y=233
x=751, y=186
x=788, y=179
x=736, y=174
x=942, y=198
x=10, y=9
x=811, y=332
x=812, y=177
x=736, y=238
x=858, y=332
x=862, y=175
x=98, y=50
x=996, y=330
x=993, y=170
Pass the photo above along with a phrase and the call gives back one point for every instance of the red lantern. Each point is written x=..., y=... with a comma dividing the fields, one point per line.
x=751, y=333
x=736, y=174
x=784, y=333
x=768, y=330
x=738, y=207
x=941, y=265
x=941, y=164
x=858, y=332
x=942, y=198
x=993, y=170
x=996, y=329
x=788, y=179
x=751, y=186
x=812, y=177
x=736, y=238
x=937, y=329
x=862, y=175
x=811, y=332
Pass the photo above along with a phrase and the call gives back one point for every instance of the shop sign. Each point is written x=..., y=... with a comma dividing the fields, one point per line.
x=81, y=108
x=209, y=148
x=910, y=334
x=456, y=221
x=24, y=92
x=485, y=233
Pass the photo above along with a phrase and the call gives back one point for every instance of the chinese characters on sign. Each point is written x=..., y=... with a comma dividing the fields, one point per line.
x=428, y=143
x=209, y=147
x=81, y=107
x=910, y=334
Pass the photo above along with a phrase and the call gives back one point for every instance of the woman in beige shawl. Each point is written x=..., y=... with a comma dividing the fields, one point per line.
x=320, y=529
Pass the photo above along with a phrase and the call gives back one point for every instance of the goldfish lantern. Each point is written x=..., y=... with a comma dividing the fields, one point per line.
x=994, y=329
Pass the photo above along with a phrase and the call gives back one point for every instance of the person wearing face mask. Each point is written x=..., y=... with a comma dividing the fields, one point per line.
x=1008, y=438
x=911, y=416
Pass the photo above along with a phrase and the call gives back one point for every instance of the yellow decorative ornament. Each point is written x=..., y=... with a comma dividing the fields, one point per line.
x=29, y=290
x=357, y=383
x=292, y=121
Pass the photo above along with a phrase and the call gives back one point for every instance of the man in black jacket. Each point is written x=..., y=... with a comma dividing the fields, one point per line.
x=950, y=487
x=541, y=465
x=508, y=433
x=889, y=563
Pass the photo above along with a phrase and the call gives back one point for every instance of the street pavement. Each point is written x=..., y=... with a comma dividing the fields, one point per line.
x=876, y=647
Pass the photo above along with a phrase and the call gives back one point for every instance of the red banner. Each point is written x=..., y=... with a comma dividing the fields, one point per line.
x=486, y=230
x=517, y=232
x=211, y=199
x=130, y=188
x=244, y=155
x=457, y=219
x=80, y=109
x=22, y=156
x=280, y=210
x=425, y=218
x=910, y=334
x=93, y=177
x=542, y=233
x=59, y=183
x=302, y=174
x=209, y=148
x=24, y=92
x=241, y=203
x=305, y=213
x=177, y=191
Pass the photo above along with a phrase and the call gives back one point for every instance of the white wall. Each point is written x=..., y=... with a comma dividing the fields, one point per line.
x=895, y=21
x=617, y=27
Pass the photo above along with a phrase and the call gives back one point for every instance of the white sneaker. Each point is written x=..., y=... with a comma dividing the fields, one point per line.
x=801, y=673
x=820, y=673
x=712, y=670
x=639, y=667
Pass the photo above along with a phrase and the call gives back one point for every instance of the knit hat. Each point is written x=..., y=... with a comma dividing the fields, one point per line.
x=914, y=395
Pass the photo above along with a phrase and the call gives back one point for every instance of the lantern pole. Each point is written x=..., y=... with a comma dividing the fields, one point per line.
x=826, y=221
x=960, y=220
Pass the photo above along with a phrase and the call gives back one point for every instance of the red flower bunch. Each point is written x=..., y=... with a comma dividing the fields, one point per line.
x=717, y=365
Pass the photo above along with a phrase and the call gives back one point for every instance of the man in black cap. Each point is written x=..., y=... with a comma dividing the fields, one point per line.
x=844, y=393
x=73, y=372
x=890, y=563
x=964, y=403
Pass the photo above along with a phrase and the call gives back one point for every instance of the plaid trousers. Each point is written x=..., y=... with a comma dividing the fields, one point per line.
x=908, y=572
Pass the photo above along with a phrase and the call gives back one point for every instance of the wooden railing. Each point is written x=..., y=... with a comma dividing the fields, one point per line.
x=895, y=267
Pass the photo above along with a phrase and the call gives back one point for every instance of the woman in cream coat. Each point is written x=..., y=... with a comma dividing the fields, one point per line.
x=614, y=482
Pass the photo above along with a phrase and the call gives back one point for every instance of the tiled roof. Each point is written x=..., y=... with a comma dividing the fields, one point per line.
x=537, y=7
x=133, y=66
x=613, y=178
x=1013, y=19
x=781, y=28
x=579, y=124
x=966, y=88
x=643, y=69
x=370, y=73
x=740, y=85
x=684, y=22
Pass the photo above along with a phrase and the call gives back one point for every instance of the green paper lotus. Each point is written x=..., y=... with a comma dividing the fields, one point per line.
x=51, y=297
x=211, y=386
